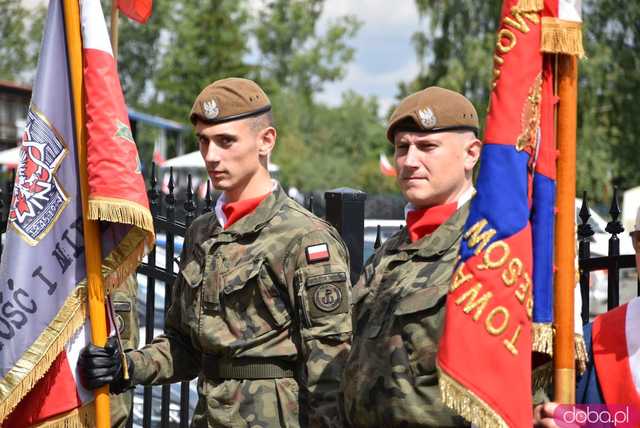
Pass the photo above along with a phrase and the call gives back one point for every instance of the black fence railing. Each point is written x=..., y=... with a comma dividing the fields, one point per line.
x=345, y=210
x=612, y=262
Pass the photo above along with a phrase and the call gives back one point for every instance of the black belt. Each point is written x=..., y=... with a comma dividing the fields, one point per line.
x=246, y=368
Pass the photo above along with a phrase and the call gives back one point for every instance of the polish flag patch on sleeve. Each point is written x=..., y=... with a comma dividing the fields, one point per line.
x=317, y=253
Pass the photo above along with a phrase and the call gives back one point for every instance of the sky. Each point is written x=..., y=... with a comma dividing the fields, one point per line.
x=384, y=55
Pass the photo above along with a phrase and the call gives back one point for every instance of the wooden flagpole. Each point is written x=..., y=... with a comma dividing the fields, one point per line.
x=114, y=30
x=565, y=281
x=93, y=251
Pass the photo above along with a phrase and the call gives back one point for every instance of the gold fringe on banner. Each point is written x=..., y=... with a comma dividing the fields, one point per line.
x=559, y=36
x=582, y=358
x=83, y=417
x=37, y=359
x=467, y=404
x=123, y=260
x=542, y=336
x=119, y=211
x=529, y=5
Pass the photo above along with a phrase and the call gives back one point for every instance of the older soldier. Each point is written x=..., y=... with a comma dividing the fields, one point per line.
x=260, y=308
x=390, y=379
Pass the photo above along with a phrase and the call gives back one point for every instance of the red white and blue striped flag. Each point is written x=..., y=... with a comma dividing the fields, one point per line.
x=484, y=358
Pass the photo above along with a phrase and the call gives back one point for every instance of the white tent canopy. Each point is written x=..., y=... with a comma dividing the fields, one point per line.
x=194, y=160
x=10, y=157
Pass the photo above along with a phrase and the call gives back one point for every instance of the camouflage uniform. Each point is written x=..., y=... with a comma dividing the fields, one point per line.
x=124, y=306
x=265, y=330
x=390, y=379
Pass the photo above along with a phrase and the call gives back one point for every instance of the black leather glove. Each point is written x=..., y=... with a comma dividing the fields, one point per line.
x=99, y=366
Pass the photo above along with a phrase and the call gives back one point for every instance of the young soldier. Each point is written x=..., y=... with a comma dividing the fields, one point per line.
x=390, y=379
x=260, y=310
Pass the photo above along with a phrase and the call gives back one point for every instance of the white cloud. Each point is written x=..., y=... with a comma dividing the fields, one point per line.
x=383, y=85
x=384, y=54
x=380, y=14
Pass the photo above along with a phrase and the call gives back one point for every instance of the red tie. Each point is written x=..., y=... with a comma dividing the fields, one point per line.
x=424, y=221
x=236, y=210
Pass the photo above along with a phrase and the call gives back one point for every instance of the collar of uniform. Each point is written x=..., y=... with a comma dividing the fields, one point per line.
x=463, y=199
x=437, y=242
x=222, y=200
x=260, y=216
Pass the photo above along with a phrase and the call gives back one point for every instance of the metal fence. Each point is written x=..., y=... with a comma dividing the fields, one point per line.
x=345, y=210
x=610, y=264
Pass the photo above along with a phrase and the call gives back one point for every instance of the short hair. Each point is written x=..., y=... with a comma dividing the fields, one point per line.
x=262, y=121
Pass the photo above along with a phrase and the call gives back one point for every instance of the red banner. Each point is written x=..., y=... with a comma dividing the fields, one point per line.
x=485, y=351
x=138, y=10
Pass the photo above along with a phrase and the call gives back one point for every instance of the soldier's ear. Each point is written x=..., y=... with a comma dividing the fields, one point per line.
x=266, y=140
x=472, y=150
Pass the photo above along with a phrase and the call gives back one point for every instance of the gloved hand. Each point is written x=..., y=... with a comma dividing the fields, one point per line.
x=103, y=366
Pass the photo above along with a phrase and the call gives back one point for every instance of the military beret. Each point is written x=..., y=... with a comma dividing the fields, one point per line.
x=433, y=109
x=229, y=99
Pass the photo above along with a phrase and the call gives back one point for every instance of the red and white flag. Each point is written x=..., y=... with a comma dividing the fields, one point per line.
x=616, y=353
x=42, y=272
x=317, y=253
x=386, y=168
x=138, y=10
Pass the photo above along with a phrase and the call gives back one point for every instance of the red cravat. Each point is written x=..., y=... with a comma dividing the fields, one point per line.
x=424, y=221
x=234, y=211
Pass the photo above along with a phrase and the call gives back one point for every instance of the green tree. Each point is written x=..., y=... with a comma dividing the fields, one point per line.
x=608, y=92
x=20, y=36
x=340, y=148
x=140, y=54
x=292, y=53
x=207, y=40
x=456, y=48
x=13, y=48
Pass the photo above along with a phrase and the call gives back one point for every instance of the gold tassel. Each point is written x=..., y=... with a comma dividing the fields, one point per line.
x=467, y=404
x=36, y=360
x=117, y=211
x=582, y=358
x=542, y=376
x=83, y=417
x=542, y=338
x=559, y=36
x=125, y=257
x=529, y=5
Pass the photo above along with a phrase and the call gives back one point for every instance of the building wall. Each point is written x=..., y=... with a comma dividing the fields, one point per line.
x=14, y=103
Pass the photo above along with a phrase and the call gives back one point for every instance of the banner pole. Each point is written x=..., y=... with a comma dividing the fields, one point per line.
x=114, y=30
x=563, y=354
x=93, y=252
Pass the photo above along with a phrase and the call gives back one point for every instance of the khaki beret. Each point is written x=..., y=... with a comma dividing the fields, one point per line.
x=229, y=99
x=433, y=109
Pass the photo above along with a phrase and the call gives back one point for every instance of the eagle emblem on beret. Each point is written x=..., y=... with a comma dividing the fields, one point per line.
x=427, y=118
x=211, y=109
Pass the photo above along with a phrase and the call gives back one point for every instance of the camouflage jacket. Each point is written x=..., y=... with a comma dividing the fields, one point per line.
x=390, y=379
x=124, y=301
x=258, y=290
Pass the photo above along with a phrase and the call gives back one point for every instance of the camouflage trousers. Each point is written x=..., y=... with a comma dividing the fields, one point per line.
x=270, y=403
